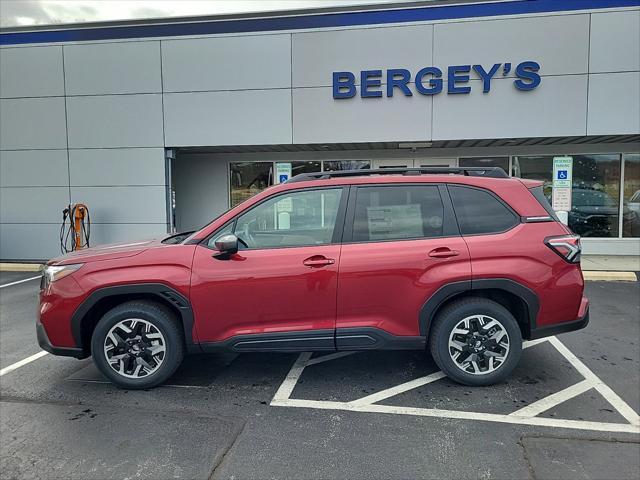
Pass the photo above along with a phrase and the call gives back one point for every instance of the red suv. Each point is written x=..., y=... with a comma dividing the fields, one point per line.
x=464, y=262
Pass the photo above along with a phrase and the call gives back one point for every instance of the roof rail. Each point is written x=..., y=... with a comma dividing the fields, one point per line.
x=491, y=172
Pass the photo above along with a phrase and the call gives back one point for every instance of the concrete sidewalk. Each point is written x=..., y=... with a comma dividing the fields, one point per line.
x=611, y=263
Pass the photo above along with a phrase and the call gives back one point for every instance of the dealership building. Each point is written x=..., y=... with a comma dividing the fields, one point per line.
x=160, y=126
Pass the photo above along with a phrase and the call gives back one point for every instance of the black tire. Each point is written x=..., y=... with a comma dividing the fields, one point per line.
x=452, y=315
x=163, y=320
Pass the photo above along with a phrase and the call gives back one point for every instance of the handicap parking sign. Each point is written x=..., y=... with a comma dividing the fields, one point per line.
x=283, y=172
x=563, y=174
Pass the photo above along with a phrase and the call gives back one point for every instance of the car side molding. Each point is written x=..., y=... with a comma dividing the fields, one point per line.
x=450, y=290
x=163, y=292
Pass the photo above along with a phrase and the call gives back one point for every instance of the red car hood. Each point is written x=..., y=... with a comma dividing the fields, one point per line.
x=105, y=252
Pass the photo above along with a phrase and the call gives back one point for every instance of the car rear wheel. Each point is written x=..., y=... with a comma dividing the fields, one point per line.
x=476, y=342
x=138, y=344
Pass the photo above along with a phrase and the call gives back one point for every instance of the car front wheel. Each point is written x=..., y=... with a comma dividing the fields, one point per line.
x=138, y=344
x=476, y=342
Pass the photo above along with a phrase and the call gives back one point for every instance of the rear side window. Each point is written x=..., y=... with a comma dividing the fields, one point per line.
x=480, y=212
x=538, y=192
x=397, y=213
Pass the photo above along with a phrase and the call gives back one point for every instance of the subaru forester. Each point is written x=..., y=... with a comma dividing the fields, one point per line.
x=462, y=262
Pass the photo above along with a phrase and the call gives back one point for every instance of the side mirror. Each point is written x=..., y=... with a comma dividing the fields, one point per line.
x=226, y=245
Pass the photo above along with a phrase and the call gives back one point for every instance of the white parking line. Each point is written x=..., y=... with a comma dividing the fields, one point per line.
x=289, y=383
x=398, y=389
x=525, y=416
x=612, y=397
x=19, y=281
x=22, y=363
x=546, y=403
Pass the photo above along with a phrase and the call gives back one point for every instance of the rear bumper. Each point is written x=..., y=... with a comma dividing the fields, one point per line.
x=581, y=322
x=45, y=344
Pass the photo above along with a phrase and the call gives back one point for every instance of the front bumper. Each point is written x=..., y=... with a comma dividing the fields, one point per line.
x=581, y=322
x=45, y=344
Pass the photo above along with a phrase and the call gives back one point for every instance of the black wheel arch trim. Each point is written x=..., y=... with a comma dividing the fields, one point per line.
x=450, y=290
x=163, y=292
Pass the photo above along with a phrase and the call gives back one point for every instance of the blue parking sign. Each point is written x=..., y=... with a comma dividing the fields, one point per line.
x=563, y=174
x=284, y=178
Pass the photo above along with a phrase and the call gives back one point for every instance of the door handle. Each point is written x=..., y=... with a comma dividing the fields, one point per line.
x=443, y=252
x=318, y=261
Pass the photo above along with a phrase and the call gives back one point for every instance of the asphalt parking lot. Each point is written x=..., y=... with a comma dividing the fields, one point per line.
x=568, y=411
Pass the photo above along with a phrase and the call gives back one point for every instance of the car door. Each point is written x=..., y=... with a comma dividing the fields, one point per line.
x=401, y=244
x=279, y=291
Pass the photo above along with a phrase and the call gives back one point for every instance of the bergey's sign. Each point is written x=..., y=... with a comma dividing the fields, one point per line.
x=430, y=80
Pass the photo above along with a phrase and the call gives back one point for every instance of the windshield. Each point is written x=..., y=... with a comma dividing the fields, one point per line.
x=176, y=238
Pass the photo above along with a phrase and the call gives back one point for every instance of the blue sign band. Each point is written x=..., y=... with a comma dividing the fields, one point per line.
x=323, y=20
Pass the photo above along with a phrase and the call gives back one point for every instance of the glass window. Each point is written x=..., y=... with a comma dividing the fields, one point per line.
x=502, y=162
x=398, y=212
x=335, y=165
x=631, y=205
x=248, y=178
x=305, y=167
x=595, y=195
x=290, y=220
x=225, y=230
x=480, y=212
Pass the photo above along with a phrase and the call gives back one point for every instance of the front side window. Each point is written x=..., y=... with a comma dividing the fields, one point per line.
x=290, y=220
x=478, y=212
x=397, y=213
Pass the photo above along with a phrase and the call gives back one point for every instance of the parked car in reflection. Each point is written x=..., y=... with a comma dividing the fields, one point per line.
x=594, y=213
x=634, y=202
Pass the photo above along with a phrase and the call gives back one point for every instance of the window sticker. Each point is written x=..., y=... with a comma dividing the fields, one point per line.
x=394, y=221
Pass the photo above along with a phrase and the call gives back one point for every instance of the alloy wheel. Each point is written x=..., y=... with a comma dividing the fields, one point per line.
x=478, y=344
x=134, y=348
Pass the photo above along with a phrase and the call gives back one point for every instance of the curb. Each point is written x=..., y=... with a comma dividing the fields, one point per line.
x=20, y=267
x=603, y=276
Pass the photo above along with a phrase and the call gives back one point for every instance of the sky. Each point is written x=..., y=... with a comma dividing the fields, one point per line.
x=43, y=12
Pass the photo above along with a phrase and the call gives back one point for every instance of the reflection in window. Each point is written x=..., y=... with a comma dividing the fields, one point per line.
x=479, y=212
x=595, y=195
x=395, y=213
x=502, y=162
x=248, y=179
x=305, y=167
x=335, y=165
x=631, y=206
x=292, y=219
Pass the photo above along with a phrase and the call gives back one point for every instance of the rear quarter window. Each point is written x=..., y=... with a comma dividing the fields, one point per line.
x=480, y=212
x=538, y=193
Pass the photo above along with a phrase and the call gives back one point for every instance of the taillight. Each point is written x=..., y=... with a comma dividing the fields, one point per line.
x=567, y=246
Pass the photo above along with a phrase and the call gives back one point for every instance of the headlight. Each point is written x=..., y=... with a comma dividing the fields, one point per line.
x=56, y=272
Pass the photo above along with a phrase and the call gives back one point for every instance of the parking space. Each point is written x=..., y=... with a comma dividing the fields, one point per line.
x=571, y=405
